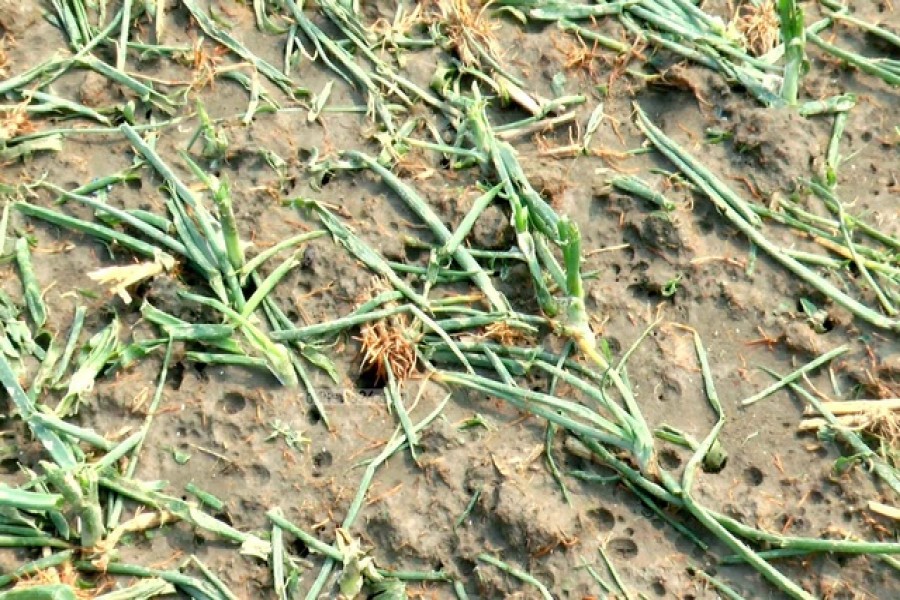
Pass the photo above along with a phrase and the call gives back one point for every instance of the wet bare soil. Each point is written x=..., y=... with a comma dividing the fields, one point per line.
x=219, y=419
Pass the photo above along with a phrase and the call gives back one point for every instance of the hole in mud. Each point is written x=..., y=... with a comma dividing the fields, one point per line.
x=797, y=524
x=262, y=473
x=714, y=468
x=43, y=339
x=670, y=390
x=322, y=460
x=233, y=403
x=815, y=299
x=9, y=466
x=189, y=278
x=606, y=521
x=624, y=548
x=615, y=346
x=32, y=553
x=414, y=254
x=574, y=462
x=224, y=517
x=658, y=588
x=753, y=476
x=444, y=163
x=298, y=548
x=249, y=289
x=641, y=292
x=816, y=497
x=142, y=289
x=313, y=416
x=669, y=458
x=309, y=258
x=327, y=176
x=176, y=375
x=369, y=379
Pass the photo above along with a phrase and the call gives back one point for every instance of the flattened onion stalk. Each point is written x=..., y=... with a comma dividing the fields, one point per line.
x=794, y=36
x=98, y=351
x=36, y=307
x=357, y=566
x=575, y=324
x=123, y=277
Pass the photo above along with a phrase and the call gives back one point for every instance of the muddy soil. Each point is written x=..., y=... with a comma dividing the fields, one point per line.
x=219, y=419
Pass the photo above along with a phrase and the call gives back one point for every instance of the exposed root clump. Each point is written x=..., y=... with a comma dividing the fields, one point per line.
x=388, y=343
x=758, y=25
